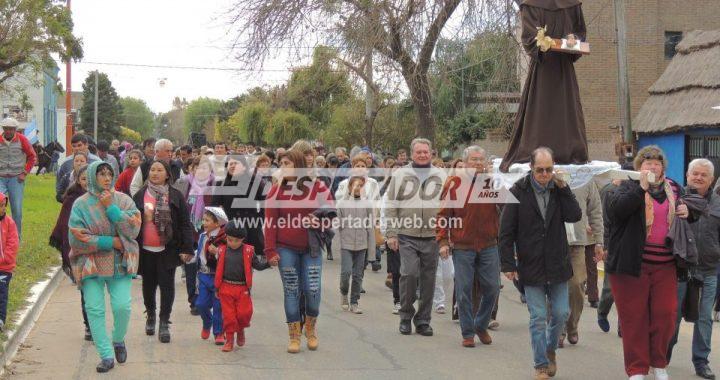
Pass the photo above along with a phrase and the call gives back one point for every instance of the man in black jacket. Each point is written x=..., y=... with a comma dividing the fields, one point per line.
x=535, y=228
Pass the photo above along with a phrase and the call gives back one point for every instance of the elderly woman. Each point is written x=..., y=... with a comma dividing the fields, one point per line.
x=103, y=226
x=640, y=263
x=165, y=242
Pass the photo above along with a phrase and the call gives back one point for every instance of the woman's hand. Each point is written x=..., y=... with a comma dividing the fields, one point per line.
x=117, y=243
x=106, y=198
x=81, y=234
x=682, y=211
x=135, y=220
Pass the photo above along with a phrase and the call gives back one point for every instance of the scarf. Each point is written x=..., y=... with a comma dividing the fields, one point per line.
x=665, y=191
x=161, y=218
x=196, y=200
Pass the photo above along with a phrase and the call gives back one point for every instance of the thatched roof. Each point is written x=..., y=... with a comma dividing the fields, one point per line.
x=687, y=91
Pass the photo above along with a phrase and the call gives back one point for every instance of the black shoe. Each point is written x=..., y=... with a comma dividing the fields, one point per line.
x=376, y=266
x=705, y=372
x=424, y=330
x=405, y=327
x=120, y=352
x=105, y=365
x=523, y=299
x=88, y=334
x=164, y=332
x=194, y=311
x=619, y=332
x=594, y=304
x=150, y=323
x=329, y=256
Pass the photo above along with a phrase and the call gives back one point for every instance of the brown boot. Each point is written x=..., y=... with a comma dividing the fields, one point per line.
x=484, y=336
x=294, y=331
x=310, y=334
x=552, y=365
x=541, y=373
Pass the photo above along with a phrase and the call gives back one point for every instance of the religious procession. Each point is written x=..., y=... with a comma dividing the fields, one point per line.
x=411, y=189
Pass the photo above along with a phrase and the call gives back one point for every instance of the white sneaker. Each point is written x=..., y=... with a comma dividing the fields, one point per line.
x=493, y=325
x=661, y=374
x=396, y=308
x=344, y=302
x=440, y=309
x=355, y=309
x=637, y=377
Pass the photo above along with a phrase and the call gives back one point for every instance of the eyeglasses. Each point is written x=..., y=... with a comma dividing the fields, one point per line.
x=543, y=170
x=651, y=156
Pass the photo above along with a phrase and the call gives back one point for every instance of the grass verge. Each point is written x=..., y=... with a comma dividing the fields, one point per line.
x=40, y=211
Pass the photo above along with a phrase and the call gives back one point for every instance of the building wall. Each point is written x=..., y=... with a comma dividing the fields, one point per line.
x=674, y=147
x=647, y=21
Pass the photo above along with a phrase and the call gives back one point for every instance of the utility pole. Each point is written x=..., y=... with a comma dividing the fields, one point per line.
x=623, y=86
x=95, y=111
x=369, y=97
x=68, y=102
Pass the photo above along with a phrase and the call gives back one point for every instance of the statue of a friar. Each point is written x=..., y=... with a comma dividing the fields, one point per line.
x=550, y=112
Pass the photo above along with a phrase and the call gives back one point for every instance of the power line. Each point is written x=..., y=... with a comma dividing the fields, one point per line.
x=182, y=67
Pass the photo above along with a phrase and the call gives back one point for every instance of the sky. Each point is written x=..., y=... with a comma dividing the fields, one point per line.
x=165, y=33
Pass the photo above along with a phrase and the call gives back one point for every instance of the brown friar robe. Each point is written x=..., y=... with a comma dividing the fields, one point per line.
x=550, y=113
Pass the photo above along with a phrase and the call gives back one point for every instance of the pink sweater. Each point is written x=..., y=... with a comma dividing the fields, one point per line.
x=656, y=248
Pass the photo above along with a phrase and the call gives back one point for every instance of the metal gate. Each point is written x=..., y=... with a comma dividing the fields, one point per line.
x=704, y=147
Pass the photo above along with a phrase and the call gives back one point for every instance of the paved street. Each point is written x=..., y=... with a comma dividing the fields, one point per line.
x=364, y=346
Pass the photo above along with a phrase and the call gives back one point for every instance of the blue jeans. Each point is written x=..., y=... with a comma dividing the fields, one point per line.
x=14, y=190
x=300, y=274
x=703, y=327
x=207, y=304
x=485, y=266
x=5, y=278
x=544, y=337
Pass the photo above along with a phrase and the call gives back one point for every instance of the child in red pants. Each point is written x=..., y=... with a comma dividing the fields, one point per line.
x=233, y=281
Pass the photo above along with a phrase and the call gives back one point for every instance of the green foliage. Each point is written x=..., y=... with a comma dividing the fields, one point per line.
x=201, y=112
x=137, y=116
x=34, y=31
x=35, y=257
x=314, y=90
x=288, y=126
x=347, y=124
x=395, y=126
x=472, y=125
x=110, y=111
x=129, y=135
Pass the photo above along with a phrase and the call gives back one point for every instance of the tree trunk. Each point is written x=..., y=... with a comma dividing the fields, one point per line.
x=370, y=100
x=420, y=93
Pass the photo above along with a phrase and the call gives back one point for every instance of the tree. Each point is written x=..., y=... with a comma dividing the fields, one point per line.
x=32, y=31
x=110, y=111
x=287, y=126
x=201, y=113
x=314, y=90
x=346, y=125
x=137, y=116
x=129, y=135
x=403, y=32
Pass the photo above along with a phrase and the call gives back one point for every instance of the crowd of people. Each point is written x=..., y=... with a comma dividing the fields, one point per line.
x=221, y=212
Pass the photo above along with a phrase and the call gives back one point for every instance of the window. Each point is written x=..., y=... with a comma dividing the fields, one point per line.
x=671, y=41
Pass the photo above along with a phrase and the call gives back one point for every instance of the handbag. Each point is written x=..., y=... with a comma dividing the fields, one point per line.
x=691, y=306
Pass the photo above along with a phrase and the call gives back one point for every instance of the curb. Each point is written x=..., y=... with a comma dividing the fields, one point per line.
x=39, y=295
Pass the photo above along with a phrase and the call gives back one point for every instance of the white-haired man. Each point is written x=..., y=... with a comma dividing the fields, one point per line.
x=700, y=176
x=163, y=152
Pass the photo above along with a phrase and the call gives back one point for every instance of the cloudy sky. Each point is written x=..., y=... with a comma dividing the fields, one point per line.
x=184, y=33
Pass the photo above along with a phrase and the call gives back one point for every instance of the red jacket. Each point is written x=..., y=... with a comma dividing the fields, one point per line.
x=283, y=210
x=9, y=243
x=124, y=179
x=11, y=165
x=248, y=251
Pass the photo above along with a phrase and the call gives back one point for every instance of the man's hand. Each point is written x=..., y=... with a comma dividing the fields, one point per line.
x=81, y=234
x=393, y=243
x=682, y=211
x=21, y=177
x=274, y=261
x=117, y=243
x=186, y=257
x=444, y=252
x=599, y=253
x=106, y=198
x=511, y=276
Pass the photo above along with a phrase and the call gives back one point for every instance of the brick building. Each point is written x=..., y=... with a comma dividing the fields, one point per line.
x=654, y=27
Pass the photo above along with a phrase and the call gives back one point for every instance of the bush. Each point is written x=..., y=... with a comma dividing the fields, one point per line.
x=286, y=127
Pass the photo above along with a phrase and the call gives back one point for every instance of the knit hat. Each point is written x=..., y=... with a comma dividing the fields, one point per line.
x=9, y=122
x=219, y=214
x=235, y=230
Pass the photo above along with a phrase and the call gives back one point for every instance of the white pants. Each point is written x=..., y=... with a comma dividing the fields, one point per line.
x=443, y=280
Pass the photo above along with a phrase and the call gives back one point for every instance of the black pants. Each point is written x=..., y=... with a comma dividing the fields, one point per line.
x=191, y=282
x=393, y=267
x=154, y=276
x=5, y=278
